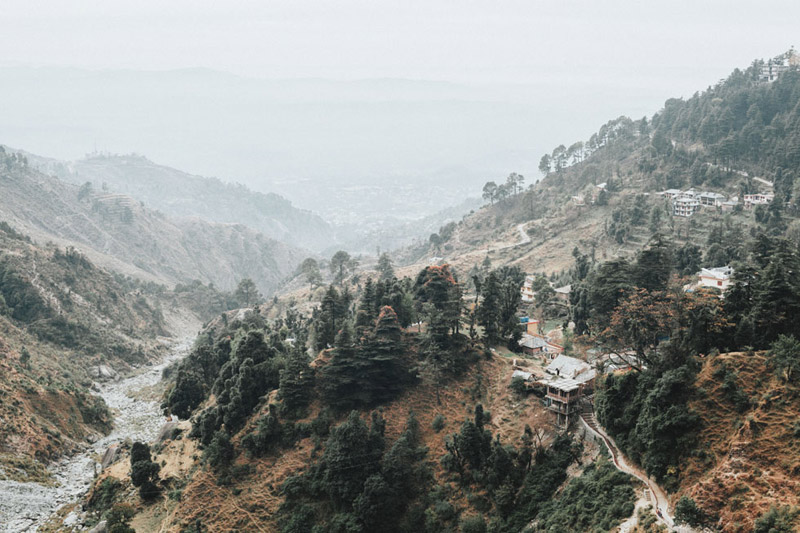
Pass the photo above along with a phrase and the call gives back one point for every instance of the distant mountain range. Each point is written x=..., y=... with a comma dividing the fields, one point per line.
x=181, y=194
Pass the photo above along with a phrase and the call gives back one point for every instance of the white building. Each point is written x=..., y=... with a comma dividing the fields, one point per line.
x=527, y=290
x=686, y=204
x=711, y=198
x=670, y=193
x=719, y=277
x=757, y=199
x=772, y=70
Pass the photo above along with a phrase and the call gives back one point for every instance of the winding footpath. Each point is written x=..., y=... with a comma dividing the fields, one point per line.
x=658, y=495
x=25, y=507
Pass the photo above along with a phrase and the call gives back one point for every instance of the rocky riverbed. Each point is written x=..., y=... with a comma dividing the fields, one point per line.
x=24, y=507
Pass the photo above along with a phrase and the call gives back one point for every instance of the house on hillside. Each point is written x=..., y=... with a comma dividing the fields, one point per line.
x=757, y=199
x=718, y=278
x=573, y=368
x=569, y=379
x=772, y=69
x=731, y=204
x=686, y=204
x=712, y=199
x=529, y=325
x=562, y=293
x=670, y=193
x=527, y=290
x=534, y=344
x=614, y=362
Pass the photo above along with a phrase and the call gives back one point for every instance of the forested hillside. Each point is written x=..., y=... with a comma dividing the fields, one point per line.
x=355, y=418
x=738, y=137
x=119, y=232
x=180, y=194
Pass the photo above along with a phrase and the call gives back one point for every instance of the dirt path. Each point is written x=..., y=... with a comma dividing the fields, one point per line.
x=658, y=495
x=743, y=173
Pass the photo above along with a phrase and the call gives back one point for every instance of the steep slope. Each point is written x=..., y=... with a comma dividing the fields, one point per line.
x=118, y=232
x=748, y=459
x=63, y=323
x=180, y=194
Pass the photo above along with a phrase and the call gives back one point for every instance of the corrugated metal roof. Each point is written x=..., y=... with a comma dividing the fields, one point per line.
x=521, y=374
x=571, y=368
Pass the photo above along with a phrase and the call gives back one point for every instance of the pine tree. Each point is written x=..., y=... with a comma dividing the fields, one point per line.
x=488, y=315
x=296, y=383
x=385, y=267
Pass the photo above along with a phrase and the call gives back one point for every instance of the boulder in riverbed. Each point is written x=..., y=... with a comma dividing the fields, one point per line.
x=110, y=456
x=103, y=372
x=101, y=527
x=167, y=431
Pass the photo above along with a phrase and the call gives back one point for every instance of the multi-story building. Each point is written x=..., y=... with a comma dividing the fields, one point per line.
x=713, y=199
x=758, y=199
x=685, y=205
x=569, y=380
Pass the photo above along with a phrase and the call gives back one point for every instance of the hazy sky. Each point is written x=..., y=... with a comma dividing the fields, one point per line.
x=529, y=75
x=459, y=40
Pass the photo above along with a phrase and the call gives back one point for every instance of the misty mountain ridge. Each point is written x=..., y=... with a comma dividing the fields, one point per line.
x=181, y=194
x=116, y=231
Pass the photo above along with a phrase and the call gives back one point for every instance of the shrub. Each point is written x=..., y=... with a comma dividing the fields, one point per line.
x=473, y=524
x=687, y=512
x=776, y=520
x=438, y=423
x=518, y=386
x=220, y=452
x=103, y=494
x=119, y=517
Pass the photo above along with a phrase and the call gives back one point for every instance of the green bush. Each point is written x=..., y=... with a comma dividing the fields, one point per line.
x=438, y=423
x=103, y=494
x=518, y=386
x=777, y=520
x=687, y=512
x=473, y=524
x=597, y=500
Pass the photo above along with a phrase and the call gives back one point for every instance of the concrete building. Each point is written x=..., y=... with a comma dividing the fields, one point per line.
x=718, y=278
x=685, y=205
x=712, y=199
x=751, y=200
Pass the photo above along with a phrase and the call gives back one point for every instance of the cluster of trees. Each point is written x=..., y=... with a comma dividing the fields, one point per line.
x=144, y=471
x=19, y=299
x=640, y=307
x=252, y=370
x=562, y=157
x=744, y=122
x=11, y=160
x=519, y=481
x=514, y=184
x=361, y=483
x=498, y=294
x=445, y=233
x=597, y=500
x=370, y=370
